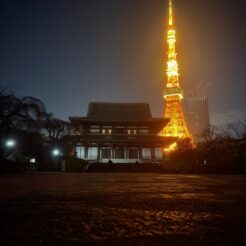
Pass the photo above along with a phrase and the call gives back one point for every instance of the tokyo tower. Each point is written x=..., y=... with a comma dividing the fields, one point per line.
x=173, y=93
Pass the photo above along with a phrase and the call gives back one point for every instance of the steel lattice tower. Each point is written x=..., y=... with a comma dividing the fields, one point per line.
x=173, y=93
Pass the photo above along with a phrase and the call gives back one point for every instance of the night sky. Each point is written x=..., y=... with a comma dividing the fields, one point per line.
x=70, y=52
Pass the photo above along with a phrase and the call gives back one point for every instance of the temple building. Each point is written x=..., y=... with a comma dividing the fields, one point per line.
x=119, y=133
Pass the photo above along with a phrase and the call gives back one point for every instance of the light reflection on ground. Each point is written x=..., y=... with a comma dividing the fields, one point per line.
x=122, y=209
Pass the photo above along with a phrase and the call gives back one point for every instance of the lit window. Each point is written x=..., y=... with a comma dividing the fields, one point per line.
x=106, y=131
x=131, y=131
x=158, y=153
x=146, y=153
x=80, y=152
x=92, y=152
x=144, y=131
x=94, y=131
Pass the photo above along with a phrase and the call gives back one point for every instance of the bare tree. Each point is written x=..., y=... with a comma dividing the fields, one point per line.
x=17, y=113
x=54, y=128
x=210, y=134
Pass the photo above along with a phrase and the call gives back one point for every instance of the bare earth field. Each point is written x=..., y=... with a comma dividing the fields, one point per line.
x=122, y=209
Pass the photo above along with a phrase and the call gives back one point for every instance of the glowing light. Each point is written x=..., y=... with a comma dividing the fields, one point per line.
x=170, y=13
x=56, y=152
x=173, y=93
x=171, y=148
x=10, y=143
x=32, y=160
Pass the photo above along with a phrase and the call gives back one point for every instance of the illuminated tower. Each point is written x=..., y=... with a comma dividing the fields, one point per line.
x=173, y=93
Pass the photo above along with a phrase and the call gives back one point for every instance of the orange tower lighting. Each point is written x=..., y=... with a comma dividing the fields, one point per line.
x=173, y=93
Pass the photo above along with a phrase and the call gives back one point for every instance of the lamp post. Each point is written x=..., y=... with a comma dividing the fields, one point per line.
x=9, y=146
x=56, y=153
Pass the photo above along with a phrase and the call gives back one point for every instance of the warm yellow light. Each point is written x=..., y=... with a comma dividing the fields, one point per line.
x=173, y=93
x=170, y=13
x=171, y=148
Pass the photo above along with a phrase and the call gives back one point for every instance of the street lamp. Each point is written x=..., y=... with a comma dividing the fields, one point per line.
x=56, y=152
x=10, y=143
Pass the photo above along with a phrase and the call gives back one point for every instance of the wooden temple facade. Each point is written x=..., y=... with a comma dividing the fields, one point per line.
x=119, y=133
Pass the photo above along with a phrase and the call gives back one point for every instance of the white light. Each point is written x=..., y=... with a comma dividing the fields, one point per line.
x=10, y=143
x=56, y=152
x=33, y=160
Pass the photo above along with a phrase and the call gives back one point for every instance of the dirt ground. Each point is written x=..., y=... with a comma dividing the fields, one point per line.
x=122, y=209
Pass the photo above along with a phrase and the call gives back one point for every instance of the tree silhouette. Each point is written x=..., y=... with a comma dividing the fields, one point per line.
x=18, y=113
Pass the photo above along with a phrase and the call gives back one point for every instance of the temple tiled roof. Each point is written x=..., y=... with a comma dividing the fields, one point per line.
x=120, y=114
x=119, y=111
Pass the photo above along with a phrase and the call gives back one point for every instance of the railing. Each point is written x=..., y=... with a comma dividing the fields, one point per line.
x=122, y=138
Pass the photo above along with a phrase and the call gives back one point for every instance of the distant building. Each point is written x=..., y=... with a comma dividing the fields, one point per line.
x=119, y=132
x=197, y=115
